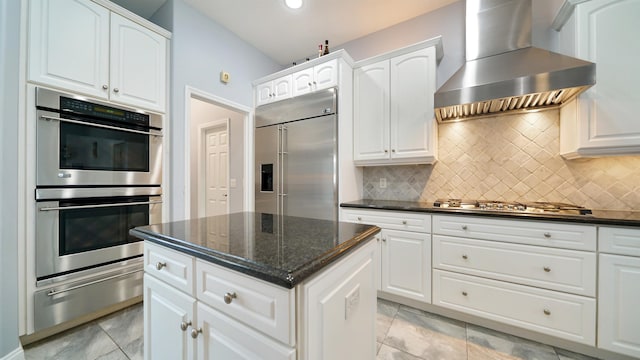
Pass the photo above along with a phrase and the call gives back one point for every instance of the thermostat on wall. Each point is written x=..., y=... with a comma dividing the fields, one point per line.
x=225, y=77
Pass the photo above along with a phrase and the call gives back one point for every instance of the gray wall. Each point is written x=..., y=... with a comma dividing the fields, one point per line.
x=9, y=88
x=200, y=49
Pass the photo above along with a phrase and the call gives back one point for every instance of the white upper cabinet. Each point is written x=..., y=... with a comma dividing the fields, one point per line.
x=603, y=120
x=79, y=46
x=319, y=77
x=274, y=90
x=393, y=110
x=69, y=45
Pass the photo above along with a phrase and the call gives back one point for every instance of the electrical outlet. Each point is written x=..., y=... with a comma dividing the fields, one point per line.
x=383, y=183
x=351, y=301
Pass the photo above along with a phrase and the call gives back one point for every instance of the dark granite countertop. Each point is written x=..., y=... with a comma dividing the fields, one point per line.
x=283, y=250
x=599, y=217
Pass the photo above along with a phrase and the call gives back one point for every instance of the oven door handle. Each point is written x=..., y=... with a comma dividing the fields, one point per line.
x=99, y=205
x=55, y=292
x=45, y=117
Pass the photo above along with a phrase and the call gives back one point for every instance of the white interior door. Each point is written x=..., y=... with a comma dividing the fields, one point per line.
x=216, y=169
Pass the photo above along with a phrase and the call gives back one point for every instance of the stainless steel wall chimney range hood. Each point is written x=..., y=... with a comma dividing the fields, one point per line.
x=503, y=71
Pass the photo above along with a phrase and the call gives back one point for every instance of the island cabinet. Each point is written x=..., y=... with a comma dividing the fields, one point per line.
x=83, y=47
x=393, y=107
x=619, y=290
x=540, y=276
x=194, y=309
x=603, y=120
x=404, y=251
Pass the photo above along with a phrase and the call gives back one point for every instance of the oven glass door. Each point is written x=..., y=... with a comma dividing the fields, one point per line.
x=86, y=147
x=78, y=234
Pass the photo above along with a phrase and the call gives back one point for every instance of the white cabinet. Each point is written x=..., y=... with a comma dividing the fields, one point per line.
x=619, y=290
x=405, y=251
x=274, y=90
x=540, y=276
x=602, y=121
x=79, y=46
x=322, y=76
x=393, y=110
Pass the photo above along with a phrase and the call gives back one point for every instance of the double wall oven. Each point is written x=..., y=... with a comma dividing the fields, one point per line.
x=98, y=174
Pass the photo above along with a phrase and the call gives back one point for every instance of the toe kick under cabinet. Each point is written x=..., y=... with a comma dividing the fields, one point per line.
x=540, y=276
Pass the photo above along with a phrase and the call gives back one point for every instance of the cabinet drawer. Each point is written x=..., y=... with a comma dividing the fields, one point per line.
x=562, y=315
x=621, y=241
x=556, y=269
x=169, y=266
x=560, y=235
x=394, y=220
x=265, y=307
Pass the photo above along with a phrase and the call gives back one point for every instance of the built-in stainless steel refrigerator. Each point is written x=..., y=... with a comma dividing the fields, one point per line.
x=296, y=156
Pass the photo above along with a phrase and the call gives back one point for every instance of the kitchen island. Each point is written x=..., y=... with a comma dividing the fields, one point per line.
x=259, y=286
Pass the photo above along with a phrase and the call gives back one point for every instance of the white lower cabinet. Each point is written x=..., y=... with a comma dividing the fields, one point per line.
x=535, y=275
x=404, y=251
x=229, y=315
x=619, y=291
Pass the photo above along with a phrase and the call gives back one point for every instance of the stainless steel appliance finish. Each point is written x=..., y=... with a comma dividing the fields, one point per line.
x=58, y=304
x=84, y=228
x=503, y=72
x=87, y=142
x=515, y=207
x=296, y=156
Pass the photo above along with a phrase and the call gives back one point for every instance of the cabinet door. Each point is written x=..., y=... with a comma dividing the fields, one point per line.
x=325, y=75
x=371, y=112
x=618, y=310
x=606, y=114
x=166, y=312
x=282, y=88
x=264, y=93
x=138, y=65
x=412, y=121
x=406, y=264
x=303, y=82
x=69, y=45
x=224, y=338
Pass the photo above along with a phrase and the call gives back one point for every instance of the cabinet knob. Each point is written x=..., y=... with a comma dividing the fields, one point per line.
x=184, y=325
x=404, y=222
x=228, y=297
x=547, y=269
x=384, y=239
x=314, y=83
x=116, y=90
x=464, y=256
x=160, y=265
x=547, y=311
x=386, y=151
x=464, y=227
x=464, y=293
x=393, y=150
x=359, y=218
x=547, y=235
x=105, y=87
x=195, y=333
x=309, y=84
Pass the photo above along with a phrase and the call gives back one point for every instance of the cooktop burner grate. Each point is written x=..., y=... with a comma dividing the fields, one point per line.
x=516, y=207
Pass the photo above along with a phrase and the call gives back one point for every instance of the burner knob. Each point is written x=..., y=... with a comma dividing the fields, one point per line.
x=499, y=206
x=510, y=206
x=483, y=206
x=521, y=207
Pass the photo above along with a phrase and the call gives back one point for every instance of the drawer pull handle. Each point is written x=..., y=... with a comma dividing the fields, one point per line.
x=160, y=265
x=465, y=256
x=464, y=293
x=228, y=297
x=404, y=222
x=464, y=227
x=547, y=235
x=184, y=325
x=547, y=269
x=547, y=311
x=194, y=333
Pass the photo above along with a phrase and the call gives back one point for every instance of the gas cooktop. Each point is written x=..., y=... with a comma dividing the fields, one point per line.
x=546, y=208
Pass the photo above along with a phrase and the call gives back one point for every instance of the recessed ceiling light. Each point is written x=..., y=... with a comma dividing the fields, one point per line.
x=293, y=4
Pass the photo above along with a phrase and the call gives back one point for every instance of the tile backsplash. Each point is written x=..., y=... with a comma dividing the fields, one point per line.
x=510, y=158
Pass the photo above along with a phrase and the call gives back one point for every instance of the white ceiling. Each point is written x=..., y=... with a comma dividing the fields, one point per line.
x=288, y=35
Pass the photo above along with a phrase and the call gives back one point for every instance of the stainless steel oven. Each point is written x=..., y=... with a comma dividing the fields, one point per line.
x=84, y=228
x=87, y=142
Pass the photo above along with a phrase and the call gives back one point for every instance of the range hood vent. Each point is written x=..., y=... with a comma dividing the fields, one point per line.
x=503, y=72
